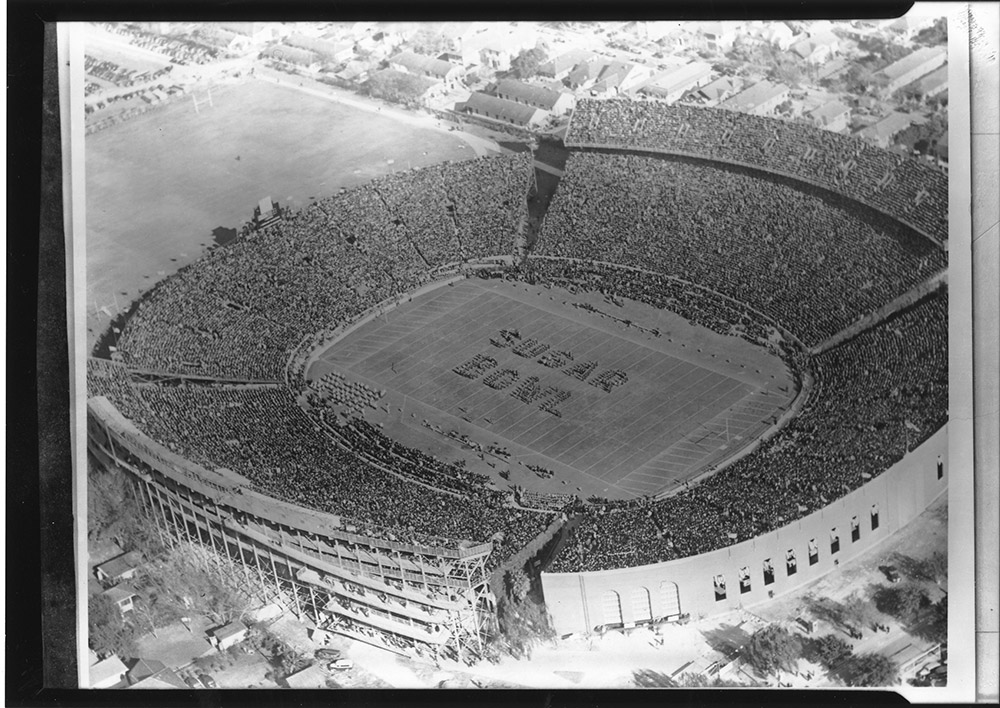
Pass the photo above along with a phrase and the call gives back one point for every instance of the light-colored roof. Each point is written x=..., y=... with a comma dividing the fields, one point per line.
x=912, y=61
x=754, y=96
x=121, y=564
x=512, y=112
x=567, y=61
x=932, y=80
x=888, y=126
x=229, y=630
x=681, y=78
x=109, y=668
x=830, y=109
x=424, y=64
x=537, y=96
x=118, y=593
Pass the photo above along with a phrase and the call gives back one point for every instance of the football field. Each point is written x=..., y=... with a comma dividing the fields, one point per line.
x=520, y=367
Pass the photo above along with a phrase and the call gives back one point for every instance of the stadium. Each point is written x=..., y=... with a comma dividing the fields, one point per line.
x=717, y=370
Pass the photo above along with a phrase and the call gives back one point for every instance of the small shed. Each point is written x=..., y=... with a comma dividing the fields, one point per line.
x=119, y=568
x=122, y=597
x=228, y=635
x=107, y=673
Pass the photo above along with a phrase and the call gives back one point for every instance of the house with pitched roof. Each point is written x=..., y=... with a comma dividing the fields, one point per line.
x=122, y=597
x=499, y=109
x=119, y=568
x=429, y=67
x=107, y=673
x=670, y=85
x=882, y=132
x=555, y=102
x=817, y=48
x=912, y=67
x=559, y=67
x=833, y=116
x=761, y=99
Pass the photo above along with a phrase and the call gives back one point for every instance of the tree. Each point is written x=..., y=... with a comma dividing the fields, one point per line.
x=178, y=581
x=395, y=86
x=934, y=36
x=523, y=624
x=773, y=648
x=427, y=40
x=109, y=633
x=857, y=611
x=831, y=650
x=905, y=602
x=872, y=670
x=526, y=63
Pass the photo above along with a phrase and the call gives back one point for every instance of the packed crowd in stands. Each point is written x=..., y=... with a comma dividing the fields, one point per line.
x=740, y=254
x=263, y=435
x=804, y=258
x=228, y=317
x=876, y=397
x=910, y=191
x=180, y=50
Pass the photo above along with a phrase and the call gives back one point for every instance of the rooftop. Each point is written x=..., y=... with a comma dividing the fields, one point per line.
x=913, y=61
x=528, y=93
x=680, y=78
x=829, y=110
x=424, y=63
x=888, y=126
x=517, y=113
x=754, y=96
x=121, y=564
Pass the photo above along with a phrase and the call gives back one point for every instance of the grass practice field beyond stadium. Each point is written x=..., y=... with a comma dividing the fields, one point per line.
x=158, y=185
x=671, y=406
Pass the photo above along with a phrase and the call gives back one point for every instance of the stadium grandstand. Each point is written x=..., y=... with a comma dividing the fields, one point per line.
x=820, y=249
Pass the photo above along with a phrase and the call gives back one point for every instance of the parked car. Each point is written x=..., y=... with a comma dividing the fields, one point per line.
x=326, y=654
x=207, y=681
x=891, y=574
x=192, y=682
x=340, y=665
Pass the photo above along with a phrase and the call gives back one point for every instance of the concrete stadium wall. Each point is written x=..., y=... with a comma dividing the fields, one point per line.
x=577, y=602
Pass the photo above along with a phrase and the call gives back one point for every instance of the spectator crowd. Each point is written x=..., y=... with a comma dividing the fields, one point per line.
x=906, y=189
x=742, y=253
x=808, y=261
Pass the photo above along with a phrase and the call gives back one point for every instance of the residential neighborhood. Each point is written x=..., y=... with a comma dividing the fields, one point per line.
x=871, y=79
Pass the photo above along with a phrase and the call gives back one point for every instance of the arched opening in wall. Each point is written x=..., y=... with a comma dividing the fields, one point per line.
x=720, y=587
x=813, y=552
x=768, y=572
x=855, y=529
x=834, y=541
x=791, y=565
x=612, y=607
x=874, y=516
x=940, y=468
x=671, y=597
x=744, y=580
x=642, y=610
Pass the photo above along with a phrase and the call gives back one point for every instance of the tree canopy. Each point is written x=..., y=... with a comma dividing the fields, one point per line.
x=109, y=632
x=773, y=648
x=872, y=670
x=395, y=86
x=526, y=63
